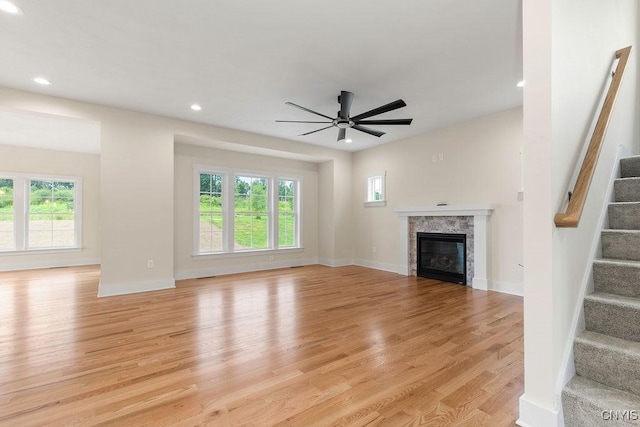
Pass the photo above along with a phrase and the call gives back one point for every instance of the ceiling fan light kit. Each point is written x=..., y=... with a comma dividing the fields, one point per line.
x=344, y=121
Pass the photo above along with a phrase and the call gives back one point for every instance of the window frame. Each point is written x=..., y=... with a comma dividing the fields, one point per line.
x=21, y=211
x=228, y=211
x=370, y=200
x=225, y=218
x=270, y=211
x=297, y=184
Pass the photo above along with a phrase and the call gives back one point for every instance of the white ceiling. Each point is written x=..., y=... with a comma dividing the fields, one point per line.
x=450, y=60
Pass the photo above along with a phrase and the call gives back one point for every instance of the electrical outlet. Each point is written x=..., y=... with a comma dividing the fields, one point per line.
x=374, y=249
x=434, y=158
x=150, y=263
x=270, y=257
x=441, y=156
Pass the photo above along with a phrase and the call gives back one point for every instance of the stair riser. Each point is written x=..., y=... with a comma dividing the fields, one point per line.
x=627, y=190
x=630, y=167
x=624, y=246
x=617, y=279
x=612, y=319
x=609, y=366
x=624, y=217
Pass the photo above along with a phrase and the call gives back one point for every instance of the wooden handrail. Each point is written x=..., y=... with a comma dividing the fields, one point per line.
x=571, y=217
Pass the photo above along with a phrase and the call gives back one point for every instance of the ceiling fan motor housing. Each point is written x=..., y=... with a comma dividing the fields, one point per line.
x=341, y=123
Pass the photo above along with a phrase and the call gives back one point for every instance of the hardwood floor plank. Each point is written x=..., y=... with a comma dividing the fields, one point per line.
x=311, y=346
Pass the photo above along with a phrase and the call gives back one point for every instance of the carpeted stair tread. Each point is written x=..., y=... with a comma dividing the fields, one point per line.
x=624, y=216
x=630, y=167
x=614, y=315
x=584, y=401
x=608, y=360
x=627, y=189
x=621, y=244
x=619, y=277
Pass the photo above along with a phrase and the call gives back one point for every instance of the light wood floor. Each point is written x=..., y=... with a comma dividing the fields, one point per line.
x=302, y=347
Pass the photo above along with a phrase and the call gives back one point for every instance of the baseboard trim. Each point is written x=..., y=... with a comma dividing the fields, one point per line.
x=535, y=415
x=392, y=268
x=134, y=287
x=335, y=262
x=481, y=284
x=244, y=268
x=507, y=288
x=49, y=264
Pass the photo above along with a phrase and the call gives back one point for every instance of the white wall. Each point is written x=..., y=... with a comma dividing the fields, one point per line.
x=137, y=184
x=40, y=161
x=186, y=156
x=568, y=48
x=481, y=164
x=342, y=209
x=326, y=242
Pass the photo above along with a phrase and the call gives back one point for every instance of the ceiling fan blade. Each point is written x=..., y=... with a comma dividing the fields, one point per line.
x=342, y=134
x=314, y=131
x=308, y=110
x=297, y=121
x=346, y=98
x=367, y=130
x=384, y=122
x=383, y=109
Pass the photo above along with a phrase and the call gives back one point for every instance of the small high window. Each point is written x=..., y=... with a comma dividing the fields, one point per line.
x=376, y=190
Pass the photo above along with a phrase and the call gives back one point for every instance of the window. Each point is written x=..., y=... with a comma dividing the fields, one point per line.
x=245, y=211
x=376, y=190
x=39, y=213
x=210, y=219
x=7, y=237
x=286, y=213
x=251, y=219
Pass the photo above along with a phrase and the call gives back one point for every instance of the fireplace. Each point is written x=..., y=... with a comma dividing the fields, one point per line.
x=442, y=256
x=472, y=220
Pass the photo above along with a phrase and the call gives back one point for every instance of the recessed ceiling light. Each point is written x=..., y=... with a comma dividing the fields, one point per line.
x=42, y=81
x=8, y=7
x=196, y=107
x=520, y=83
x=348, y=140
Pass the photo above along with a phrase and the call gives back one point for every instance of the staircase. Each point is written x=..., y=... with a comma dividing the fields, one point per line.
x=607, y=354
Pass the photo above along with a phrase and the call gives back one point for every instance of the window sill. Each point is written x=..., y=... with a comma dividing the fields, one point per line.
x=43, y=251
x=239, y=254
x=376, y=204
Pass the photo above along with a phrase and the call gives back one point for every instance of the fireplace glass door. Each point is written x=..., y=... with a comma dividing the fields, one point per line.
x=442, y=257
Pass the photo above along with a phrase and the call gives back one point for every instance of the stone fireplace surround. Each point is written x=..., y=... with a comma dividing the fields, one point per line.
x=469, y=220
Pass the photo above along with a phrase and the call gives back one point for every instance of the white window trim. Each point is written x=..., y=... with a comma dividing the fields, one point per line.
x=297, y=203
x=272, y=229
x=21, y=211
x=228, y=211
x=376, y=203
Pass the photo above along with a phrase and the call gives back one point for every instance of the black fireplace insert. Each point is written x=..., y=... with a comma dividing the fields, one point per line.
x=442, y=256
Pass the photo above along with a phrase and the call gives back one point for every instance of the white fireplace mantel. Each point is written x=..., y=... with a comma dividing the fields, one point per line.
x=480, y=214
x=447, y=210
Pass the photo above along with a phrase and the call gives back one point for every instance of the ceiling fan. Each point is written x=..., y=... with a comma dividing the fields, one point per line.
x=344, y=121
